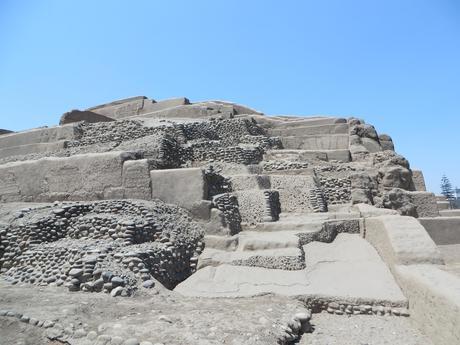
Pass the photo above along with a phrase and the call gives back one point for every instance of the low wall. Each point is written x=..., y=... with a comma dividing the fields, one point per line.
x=37, y=136
x=426, y=204
x=32, y=148
x=401, y=240
x=185, y=187
x=434, y=301
x=443, y=230
x=79, y=177
x=416, y=263
x=316, y=142
x=97, y=176
x=339, y=128
x=419, y=180
x=311, y=121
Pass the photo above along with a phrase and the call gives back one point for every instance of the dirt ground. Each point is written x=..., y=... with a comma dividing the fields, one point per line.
x=170, y=319
x=363, y=330
x=164, y=318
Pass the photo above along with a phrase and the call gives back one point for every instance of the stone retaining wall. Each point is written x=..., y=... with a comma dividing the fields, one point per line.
x=416, y=263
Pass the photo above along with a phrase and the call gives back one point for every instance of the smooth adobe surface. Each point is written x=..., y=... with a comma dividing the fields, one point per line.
x=348, y=268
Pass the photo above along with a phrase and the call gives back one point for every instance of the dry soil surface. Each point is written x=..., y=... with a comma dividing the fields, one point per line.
x=169, y=319
x=363, y=330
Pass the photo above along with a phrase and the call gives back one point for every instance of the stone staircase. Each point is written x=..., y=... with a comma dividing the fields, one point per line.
x=323, y=138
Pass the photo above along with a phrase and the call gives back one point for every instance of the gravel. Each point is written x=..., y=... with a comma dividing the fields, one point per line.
x=363, y=330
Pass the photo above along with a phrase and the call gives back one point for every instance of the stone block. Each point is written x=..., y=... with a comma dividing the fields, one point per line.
x=340, y=128
x=32, y=148
x=151, y=106
x=79, y=177
x=38, y=135
x=192, y=111
x=338, y=155
x=371, y=145
x=419, y=180
x=294, y=191
x=239, y=109
x=184, y=187
x=443, y=230
x=85, y=115
x=434, y=301
x=227, y=243
x=311, y=121
x=136, y=179
x=425, y=203
x=121, y=108
x=316, y=142
x=401, y=240
x=386, y=142
x=443, y=205
x=217, y=224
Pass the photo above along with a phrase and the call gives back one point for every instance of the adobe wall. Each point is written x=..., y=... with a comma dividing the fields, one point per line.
x=419, y=180
x=37, y=136
x=416, y=263
x=32, y=148
x=80, y=177
x=443, y=230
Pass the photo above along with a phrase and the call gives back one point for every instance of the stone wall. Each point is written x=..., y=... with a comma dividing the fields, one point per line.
x=79, y=177
x=443, y=230
x=416, y=264
x=134, y=242
x=38, y=136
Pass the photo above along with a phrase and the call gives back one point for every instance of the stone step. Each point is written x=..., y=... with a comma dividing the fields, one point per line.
x=253, y=240
x=249, y=181
x=284, y=226
x=22, y=150
x=443, y=230
x=443, y=205
x=283, y=258
x=449, y=213
x=311, y=121
x=307, y=155
x=348, y=269
x=38, y=135
x=339, y=128
x=316, y=142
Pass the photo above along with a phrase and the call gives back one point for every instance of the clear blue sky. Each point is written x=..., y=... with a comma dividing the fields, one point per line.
x=395, y=63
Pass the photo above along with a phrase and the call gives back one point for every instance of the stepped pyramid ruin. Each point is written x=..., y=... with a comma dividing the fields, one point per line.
x=214, y=205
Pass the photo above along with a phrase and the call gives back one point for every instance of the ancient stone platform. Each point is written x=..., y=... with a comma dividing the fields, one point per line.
x=137, y=205
x=347, y=269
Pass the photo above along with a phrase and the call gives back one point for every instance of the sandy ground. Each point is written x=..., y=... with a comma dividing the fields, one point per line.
x=164, y=318
x=170, y=319
x=363, y=330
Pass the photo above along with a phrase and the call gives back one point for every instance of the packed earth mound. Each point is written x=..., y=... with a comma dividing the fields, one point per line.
x=172, y=222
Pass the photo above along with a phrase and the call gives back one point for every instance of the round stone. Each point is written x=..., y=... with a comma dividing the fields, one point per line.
x=91, y=335
x=76, y=272
x=117, y=281
x=116, y=340
x=131, y=341
x=116, y=291
x=148, y=284
x=103, y=339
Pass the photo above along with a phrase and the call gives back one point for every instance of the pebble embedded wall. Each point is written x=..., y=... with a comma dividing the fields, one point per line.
x=100, y=246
